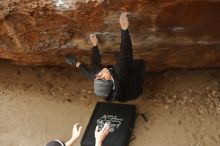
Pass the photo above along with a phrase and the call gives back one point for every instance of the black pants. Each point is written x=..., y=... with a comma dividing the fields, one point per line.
x=138, y=75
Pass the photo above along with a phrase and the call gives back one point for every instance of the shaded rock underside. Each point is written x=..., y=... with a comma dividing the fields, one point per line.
x=166, y=33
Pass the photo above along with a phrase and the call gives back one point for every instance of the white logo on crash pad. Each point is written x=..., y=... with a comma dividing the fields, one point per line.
x=113, y=121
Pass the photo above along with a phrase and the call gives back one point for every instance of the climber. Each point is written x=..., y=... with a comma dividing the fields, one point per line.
x=123, y=81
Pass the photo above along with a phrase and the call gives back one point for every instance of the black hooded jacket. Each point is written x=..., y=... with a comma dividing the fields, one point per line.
x=128, y=74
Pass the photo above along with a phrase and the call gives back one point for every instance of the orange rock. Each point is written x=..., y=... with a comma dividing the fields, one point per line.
x=166, y=33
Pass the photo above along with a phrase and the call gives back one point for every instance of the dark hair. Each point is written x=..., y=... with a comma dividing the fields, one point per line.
x=55, y=143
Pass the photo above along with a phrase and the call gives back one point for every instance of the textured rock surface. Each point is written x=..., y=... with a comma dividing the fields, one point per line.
x=166, y=33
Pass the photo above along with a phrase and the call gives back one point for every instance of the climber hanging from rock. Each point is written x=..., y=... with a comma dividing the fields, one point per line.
x=123, y=81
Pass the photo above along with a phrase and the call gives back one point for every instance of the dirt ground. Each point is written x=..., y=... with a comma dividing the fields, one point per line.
x=38, y=104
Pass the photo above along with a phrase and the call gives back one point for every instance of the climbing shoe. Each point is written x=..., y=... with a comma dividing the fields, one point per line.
x=71, y=60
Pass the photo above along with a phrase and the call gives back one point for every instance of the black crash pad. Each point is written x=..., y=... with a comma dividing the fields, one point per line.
x=121, y=118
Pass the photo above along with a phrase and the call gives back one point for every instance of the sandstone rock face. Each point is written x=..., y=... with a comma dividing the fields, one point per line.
x=166, y=33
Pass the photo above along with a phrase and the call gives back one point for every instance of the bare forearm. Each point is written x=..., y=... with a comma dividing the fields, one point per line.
x=70, y=142
x=98, y=144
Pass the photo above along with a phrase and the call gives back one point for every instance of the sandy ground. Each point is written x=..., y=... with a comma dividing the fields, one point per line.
x=39, y=104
